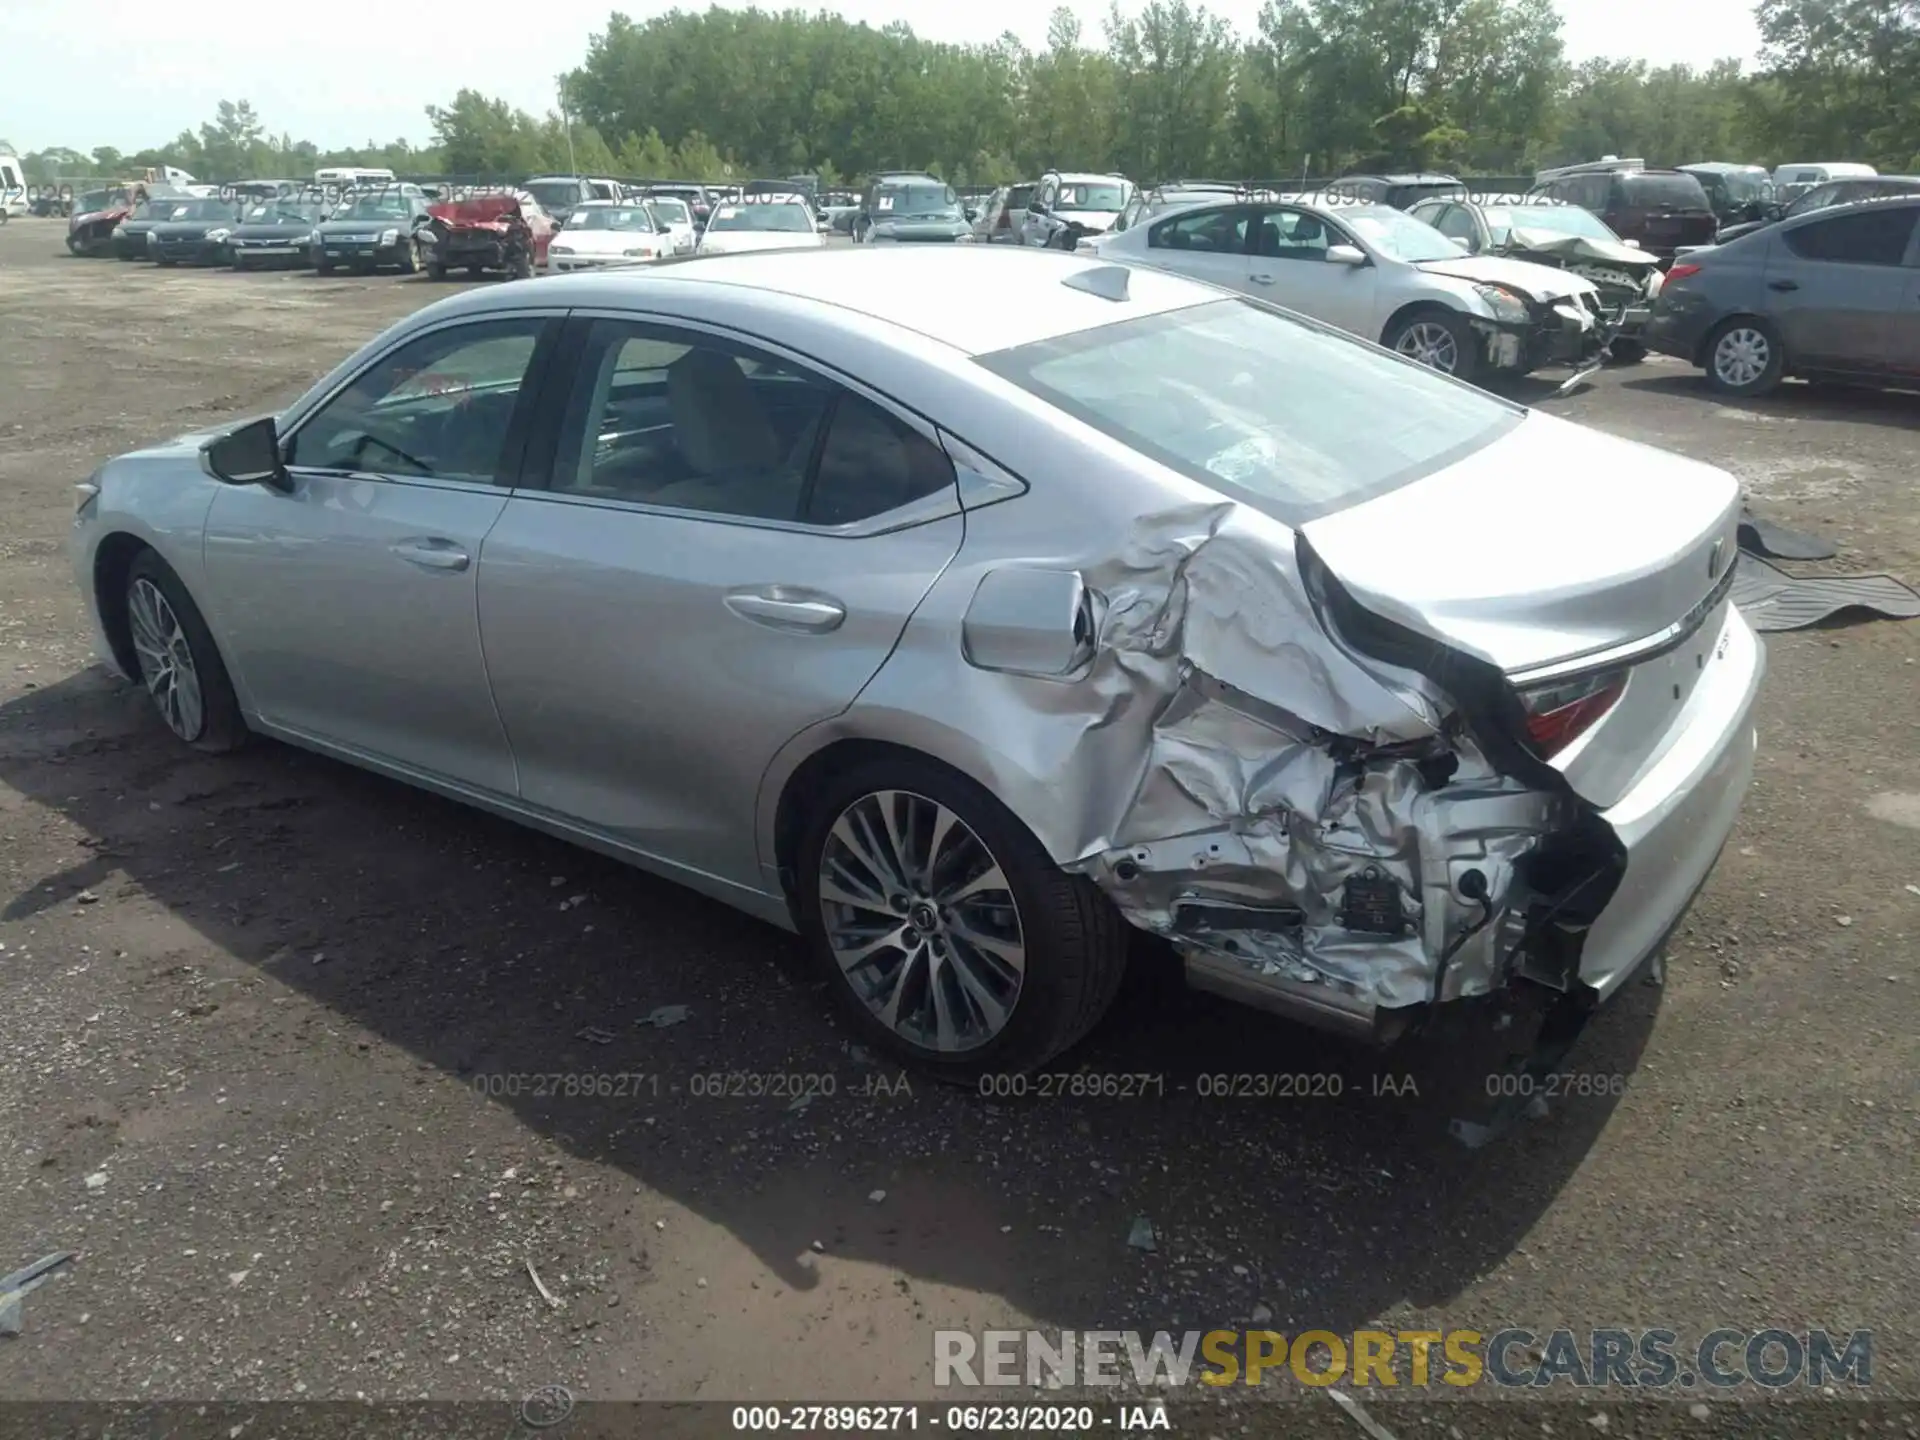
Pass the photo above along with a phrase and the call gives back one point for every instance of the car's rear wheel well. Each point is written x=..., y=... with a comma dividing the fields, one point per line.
x=112, y=559
x=796, y=799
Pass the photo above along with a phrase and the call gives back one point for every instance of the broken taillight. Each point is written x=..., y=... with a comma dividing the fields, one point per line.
x=1559, y=713
x=1678, y=272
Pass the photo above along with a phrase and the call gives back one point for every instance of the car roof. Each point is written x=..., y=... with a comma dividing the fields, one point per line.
x=1084, y=175
x=1721, y=167
x=977, y=299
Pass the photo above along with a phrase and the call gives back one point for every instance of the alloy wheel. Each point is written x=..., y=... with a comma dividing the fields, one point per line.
x=166, y=660
x=1741, y=357
x=922, y=921
x=1432, y=344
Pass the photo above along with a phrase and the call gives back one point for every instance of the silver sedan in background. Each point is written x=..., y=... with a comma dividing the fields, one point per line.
x=961, y=608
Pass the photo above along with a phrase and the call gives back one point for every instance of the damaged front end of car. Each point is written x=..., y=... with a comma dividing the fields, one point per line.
x=1354, y=835
x=1521, y=332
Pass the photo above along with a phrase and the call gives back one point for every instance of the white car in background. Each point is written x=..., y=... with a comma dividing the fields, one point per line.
x=604, y=233
x=677, y=216
x=770, y=222
x=1378, y=273
x=1066, y=207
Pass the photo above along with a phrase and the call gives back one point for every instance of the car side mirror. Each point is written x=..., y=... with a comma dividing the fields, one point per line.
x=973, y=213
x=1462, y=242
x=1346, y=255
x=1634, y=243
x=1036, y=208
x=248, y=456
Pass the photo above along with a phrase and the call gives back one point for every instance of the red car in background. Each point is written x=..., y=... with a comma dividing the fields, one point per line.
x=499, y=230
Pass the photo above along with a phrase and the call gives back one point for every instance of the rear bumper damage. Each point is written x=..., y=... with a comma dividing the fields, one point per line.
x=1348, y=834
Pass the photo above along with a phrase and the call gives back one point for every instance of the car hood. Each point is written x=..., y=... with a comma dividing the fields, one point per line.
x=1560, y=248
x=922, y=227
x=605, y=242
x=1553, y=541
x=738, y=242
x=375, y=224
x=1542, y=282
x=1100, y=221
x=272, y=229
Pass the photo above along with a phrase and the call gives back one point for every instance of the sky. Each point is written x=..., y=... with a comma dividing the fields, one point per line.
x=86, y=73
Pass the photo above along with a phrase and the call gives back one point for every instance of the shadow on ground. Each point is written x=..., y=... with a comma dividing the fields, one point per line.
x=445, y=934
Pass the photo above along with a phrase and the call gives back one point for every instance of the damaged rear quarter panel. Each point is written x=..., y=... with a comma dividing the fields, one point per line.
x=1220, y=752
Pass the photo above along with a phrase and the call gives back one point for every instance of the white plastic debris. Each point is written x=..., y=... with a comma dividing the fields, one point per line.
x=97, y=1180
x=664, y=1015
x=1141, y=1236
x=876, y=1196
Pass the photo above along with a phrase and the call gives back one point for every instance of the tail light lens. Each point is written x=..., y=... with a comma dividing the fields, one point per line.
x=1680, y=271
x=1558, y=714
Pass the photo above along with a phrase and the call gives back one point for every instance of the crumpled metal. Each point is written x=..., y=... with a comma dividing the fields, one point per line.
x=1277, y=764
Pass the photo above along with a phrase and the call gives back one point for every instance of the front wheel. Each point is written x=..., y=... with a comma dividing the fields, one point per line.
x=1744, y=357
x=322, y=268
x=410, y=258
x=436, y=271
x=1438, y=339
x=179, y=663
x=945, y=930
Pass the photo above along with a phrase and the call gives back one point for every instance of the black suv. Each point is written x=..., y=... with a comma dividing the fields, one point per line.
x=1659, y=210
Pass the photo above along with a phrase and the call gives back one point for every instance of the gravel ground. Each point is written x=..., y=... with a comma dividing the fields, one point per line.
x=275, y=1029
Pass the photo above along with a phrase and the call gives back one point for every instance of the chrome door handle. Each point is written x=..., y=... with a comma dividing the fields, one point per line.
x=1783, y=284
x=1261, y=279
x=433, y=554
x=783, y=608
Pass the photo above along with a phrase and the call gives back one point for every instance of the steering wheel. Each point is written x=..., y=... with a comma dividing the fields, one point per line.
x=366, y=440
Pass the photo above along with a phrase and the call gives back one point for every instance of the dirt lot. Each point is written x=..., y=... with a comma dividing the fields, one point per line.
x=253, y=1006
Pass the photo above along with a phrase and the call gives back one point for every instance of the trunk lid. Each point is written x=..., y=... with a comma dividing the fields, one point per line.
x=1543, y=554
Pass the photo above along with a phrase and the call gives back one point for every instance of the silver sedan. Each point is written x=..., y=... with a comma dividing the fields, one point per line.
x=966, y=609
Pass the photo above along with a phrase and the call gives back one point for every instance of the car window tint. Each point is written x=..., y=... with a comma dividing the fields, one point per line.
x=1871, y=237
x=664, y=418
x=438, y=407
x=1215, y=232
x=1456, y=222
x=1294, y=235
x=872, y=462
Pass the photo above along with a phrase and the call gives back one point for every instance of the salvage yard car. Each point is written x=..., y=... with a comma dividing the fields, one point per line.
x=372, y=228
x=773, y=223
x=498, y=229
x=607, y=232
x=1377, y=272
x=276, y=233
x=918, y=212
x=1546, y=232
x=960, y=637
x=1831, y=295
x=194, y=232
x=96, y=215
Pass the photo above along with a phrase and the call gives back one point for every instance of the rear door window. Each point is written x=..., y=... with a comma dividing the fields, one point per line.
x=1868, y=237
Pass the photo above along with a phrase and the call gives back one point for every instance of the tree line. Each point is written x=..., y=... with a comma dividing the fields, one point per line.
x=1320, y=87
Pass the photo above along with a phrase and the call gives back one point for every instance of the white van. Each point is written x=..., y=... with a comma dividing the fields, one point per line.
x=13, y=188
x=352, y=175
x=1819, y=172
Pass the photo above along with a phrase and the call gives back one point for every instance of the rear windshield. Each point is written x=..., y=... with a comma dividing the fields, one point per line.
x=1643, y=191
x=1299, y=420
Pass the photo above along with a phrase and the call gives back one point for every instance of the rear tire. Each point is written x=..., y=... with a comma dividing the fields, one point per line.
x=323, y=268
x=436, y=271
x=1744, y=357
x=1439, y=339
x=1626, y=352
x=179, y=664
x=1020, y=958
x=476, y=272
